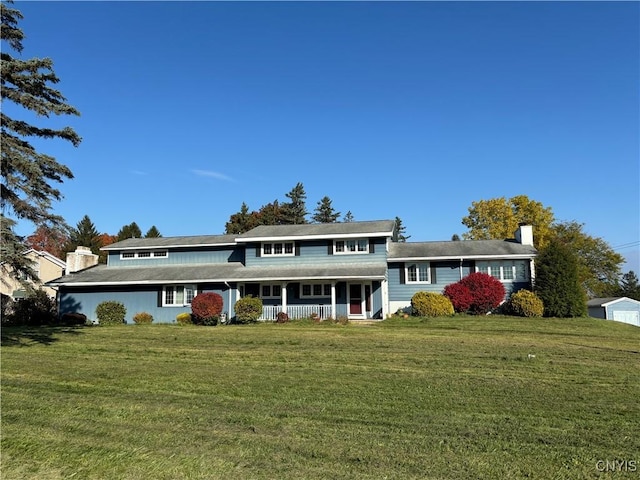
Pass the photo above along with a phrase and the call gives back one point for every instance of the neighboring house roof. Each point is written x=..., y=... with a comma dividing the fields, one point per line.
x=605, y=302
x=307, y=231
x=464, y=249
x=172, y=242
x=234, y=271
x=46, y=255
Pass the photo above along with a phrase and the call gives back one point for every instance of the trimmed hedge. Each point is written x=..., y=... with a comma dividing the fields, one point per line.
x=142, y=317
x=486, y=293
x=111, y=313
x=206, y=308
x=184, y=318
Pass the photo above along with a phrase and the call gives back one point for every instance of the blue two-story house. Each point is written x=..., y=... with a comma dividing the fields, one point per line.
x=334, y=270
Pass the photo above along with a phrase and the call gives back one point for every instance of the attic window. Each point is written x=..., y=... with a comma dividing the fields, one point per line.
x=143, y=254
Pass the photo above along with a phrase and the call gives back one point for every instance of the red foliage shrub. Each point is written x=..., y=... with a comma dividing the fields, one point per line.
x=205, y=306
x=460, y=296
x=487, y=292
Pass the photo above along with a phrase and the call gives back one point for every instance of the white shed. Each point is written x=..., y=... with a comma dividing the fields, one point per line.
x=619, y=309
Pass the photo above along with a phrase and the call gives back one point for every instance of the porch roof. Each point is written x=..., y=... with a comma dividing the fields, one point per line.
x=224, y=272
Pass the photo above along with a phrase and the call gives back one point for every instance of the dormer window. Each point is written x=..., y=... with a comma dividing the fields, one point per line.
x=351, y=246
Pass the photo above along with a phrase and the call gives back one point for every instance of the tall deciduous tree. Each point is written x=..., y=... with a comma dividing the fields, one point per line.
x=48, y=239
x=598, y=264
x=295, y=211
x=324, y=212
x=557, y=282
x=498, y=218
x=28, y=176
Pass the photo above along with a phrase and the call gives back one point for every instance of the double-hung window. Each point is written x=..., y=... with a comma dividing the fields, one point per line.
x=277, y=248
x=315, y=290
x=178, y=295
x=270, y=291
x=360, y=245
x=417, y=272
x=504, y=270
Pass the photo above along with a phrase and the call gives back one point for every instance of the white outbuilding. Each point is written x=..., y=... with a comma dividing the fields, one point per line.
x=619, y=309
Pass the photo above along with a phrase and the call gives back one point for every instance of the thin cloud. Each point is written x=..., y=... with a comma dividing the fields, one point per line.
x=209, y=173
x=139, y=172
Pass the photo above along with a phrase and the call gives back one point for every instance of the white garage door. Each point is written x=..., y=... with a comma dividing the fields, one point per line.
x=627, y=317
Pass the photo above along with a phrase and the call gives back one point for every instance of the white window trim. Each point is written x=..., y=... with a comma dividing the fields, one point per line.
x=346, y=251
x=311, y=295
x=273, y=254
x=419, y=265
x=137, y=254
x=184, y=293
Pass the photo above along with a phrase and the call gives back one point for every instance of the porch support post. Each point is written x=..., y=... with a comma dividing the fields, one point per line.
x=283, y=289
x=384, y=292
x=334, y=314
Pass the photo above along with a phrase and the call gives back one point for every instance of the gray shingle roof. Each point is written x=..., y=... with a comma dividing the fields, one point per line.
x=166, y=242
x=461, y=249
x=235, y=271
x=319, y=230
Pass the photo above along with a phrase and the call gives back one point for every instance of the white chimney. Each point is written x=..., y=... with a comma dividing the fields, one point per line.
x=524, y=235
x=80, y=259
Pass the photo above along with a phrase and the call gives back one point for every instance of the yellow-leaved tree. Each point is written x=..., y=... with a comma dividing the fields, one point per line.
x=498, y=218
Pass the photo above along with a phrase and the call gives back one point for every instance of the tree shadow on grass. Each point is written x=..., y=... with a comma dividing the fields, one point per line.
x=29, y=336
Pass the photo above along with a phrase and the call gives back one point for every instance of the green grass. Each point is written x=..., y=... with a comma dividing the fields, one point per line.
x=446, y=398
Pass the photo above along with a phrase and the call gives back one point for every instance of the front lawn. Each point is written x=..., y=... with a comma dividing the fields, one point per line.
x=466, y=397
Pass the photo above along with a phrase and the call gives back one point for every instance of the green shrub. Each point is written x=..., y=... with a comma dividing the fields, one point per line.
x=525, y=303
x=248, y=309
x=37, y=308
x=111, y=313
x=184, y=318
x=142, y=317
x=430, y=304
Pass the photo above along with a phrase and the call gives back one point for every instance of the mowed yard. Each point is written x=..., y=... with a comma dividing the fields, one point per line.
x=451, y=398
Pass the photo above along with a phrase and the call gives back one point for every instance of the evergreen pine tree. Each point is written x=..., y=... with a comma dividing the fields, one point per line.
x=84, y=235
x=629, y=286
x=295, y=211
x=129, y=231
x=348, y=217
x=28, y=177
x=153, y=232
x=324, y=212
x=557, y=282
x=398, y=232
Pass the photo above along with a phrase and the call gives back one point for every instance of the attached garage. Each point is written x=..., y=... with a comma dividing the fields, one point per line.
x=619, y=309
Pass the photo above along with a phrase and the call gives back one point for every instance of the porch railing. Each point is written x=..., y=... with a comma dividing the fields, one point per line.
x=270, y=312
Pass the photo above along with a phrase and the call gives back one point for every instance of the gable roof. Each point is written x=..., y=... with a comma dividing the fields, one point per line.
x=44, y=254
x=376, y=228
x=605, y=302
x=172, y=242
x=464, y=249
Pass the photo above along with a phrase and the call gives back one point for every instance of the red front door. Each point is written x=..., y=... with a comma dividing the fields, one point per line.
x=355, y=299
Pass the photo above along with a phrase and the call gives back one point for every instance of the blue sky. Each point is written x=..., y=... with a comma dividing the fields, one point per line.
x=409, y=109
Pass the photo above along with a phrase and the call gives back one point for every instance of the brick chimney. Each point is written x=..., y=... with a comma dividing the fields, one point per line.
x=524, y=235
x=80, y=259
